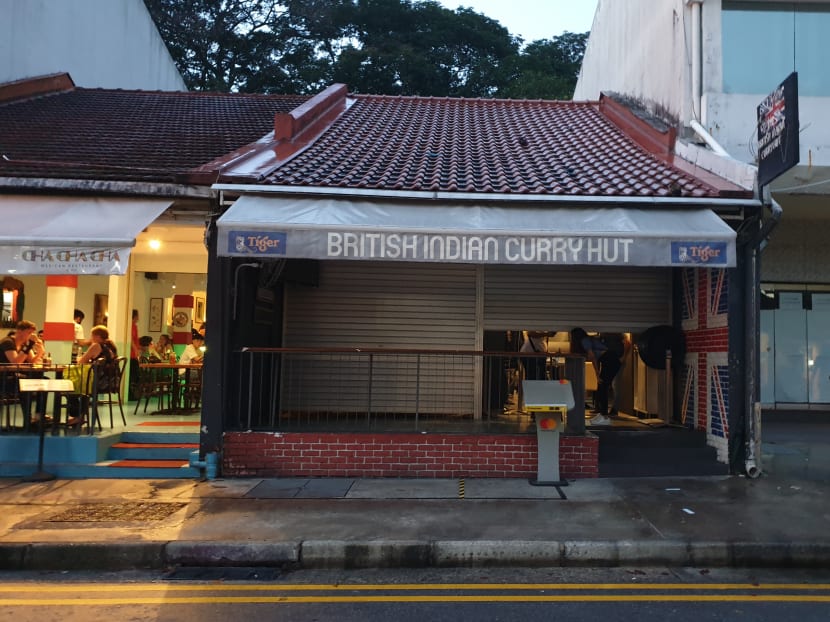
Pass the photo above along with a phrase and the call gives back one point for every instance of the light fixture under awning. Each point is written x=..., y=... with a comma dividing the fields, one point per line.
x=71, y=235
x=330, y=228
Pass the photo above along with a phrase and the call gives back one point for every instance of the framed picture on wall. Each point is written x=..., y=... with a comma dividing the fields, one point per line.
x=100, y=311
x=154, y=317
x=199, y=311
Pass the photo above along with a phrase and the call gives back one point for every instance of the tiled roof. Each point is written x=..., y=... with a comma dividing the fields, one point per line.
x=129, y=135
x=483, y=146
x=523, y=147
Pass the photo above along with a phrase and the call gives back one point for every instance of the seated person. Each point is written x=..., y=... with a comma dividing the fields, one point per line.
x=146, y=352
x=164, y=349
x=100, y=348
x=23, y=347
x=192, y=353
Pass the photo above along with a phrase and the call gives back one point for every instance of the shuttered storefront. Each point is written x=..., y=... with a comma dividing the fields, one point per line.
x=383, y=305
x=433, y=306
x=558, y=298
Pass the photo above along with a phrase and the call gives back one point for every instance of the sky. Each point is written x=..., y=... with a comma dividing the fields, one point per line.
x=534, y=19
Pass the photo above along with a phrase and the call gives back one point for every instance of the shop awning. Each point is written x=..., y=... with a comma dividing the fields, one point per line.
x=335, y=228
x=71, y=235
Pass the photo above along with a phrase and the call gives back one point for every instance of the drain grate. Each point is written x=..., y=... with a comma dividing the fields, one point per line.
x=103, y=512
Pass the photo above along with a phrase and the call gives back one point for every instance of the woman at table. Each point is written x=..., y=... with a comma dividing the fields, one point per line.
x=101, y=351
x=101, y=347
x=164, y=349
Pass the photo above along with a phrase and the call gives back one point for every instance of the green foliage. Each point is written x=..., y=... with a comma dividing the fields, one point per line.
x=394, y=47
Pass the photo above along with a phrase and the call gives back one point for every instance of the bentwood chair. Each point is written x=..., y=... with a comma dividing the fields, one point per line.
x=9, y=398
x=104, y=385
x=192, y=389
x=154, y=383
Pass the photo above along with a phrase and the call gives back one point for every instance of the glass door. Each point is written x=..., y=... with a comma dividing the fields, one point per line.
x=791, y=349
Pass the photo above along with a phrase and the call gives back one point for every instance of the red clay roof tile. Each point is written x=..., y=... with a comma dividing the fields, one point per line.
x=486, y=146
x=522, y=147
x=129, y=135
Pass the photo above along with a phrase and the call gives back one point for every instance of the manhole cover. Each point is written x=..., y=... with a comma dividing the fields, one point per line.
x=102, y=512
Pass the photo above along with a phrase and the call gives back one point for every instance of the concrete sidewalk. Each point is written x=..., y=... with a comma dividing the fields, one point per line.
x=779, y=519
x=350, y=523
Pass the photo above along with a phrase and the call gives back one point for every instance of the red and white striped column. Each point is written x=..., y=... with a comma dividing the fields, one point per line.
x=59, y=325
x=182, y=321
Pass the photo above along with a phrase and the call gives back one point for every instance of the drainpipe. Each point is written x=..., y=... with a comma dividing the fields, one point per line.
x=697, y=35
x=752, y=463
x=210, y=464
x=708, y=139
x=752, y=404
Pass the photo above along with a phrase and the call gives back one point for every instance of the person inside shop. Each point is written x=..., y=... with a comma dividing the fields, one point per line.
x=606, y=364
x=102, y=351
x=23, y=347
x=80, y=341
x=535, y=366
x=101, y=347
x=147, y=353
x=164, y=349
x=193, y=353
x=135, y=349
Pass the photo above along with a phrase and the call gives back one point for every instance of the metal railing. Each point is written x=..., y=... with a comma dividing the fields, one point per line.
x=351, y=389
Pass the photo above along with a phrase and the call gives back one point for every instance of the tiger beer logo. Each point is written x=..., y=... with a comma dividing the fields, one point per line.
x=707, y=253
x=257, y=242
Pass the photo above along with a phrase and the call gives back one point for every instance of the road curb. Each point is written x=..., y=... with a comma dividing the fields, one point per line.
x=349, y=554
x=82, y=555
x=343, y=554
x=250, y=553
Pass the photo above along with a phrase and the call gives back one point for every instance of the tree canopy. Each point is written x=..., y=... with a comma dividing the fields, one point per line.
x=393, y=47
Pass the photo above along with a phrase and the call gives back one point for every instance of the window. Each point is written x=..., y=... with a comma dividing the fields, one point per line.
x=764, y=41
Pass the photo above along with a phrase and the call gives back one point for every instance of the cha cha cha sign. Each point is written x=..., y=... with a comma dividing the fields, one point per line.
x=58, y=260
x=266, y=227
x=72, y=235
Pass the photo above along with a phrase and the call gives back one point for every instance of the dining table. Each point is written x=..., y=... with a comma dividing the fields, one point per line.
x=45, y=385
x=33, y=379
x=34, y=371
x=181, y=385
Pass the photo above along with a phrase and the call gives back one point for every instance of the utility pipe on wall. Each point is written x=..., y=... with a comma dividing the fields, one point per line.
x=697, y=60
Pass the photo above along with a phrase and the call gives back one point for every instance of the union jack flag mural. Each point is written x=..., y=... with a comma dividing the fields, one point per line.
x=718, y=400
x=688, y=402
x=718, y=294
x=718, y=298
x=688, y=310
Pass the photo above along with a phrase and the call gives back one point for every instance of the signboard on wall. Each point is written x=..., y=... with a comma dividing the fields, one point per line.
x=778, y=131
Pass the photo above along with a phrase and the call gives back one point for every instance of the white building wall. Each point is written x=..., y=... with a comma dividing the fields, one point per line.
x=100, y=43
x=643, y=49
x=639, y=48
x=731, y=121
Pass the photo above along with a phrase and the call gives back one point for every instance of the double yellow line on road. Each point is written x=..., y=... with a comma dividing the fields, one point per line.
x=77, y=594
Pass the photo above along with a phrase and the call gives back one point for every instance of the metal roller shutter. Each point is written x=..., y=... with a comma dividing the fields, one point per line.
x=393, y=305
x=559, y=298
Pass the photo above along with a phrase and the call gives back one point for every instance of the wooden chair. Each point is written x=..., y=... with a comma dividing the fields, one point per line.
x=9, y=398
x=104, y=385
x=192, y=389
x=154, y=383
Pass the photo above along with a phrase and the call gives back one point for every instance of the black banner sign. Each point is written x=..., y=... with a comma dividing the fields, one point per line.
x=778, y=131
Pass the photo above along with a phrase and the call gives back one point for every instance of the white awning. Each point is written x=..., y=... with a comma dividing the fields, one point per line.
x=71, y=235
x=331, y=228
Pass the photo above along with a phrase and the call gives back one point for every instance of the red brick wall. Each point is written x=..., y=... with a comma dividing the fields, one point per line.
x=274, y=454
